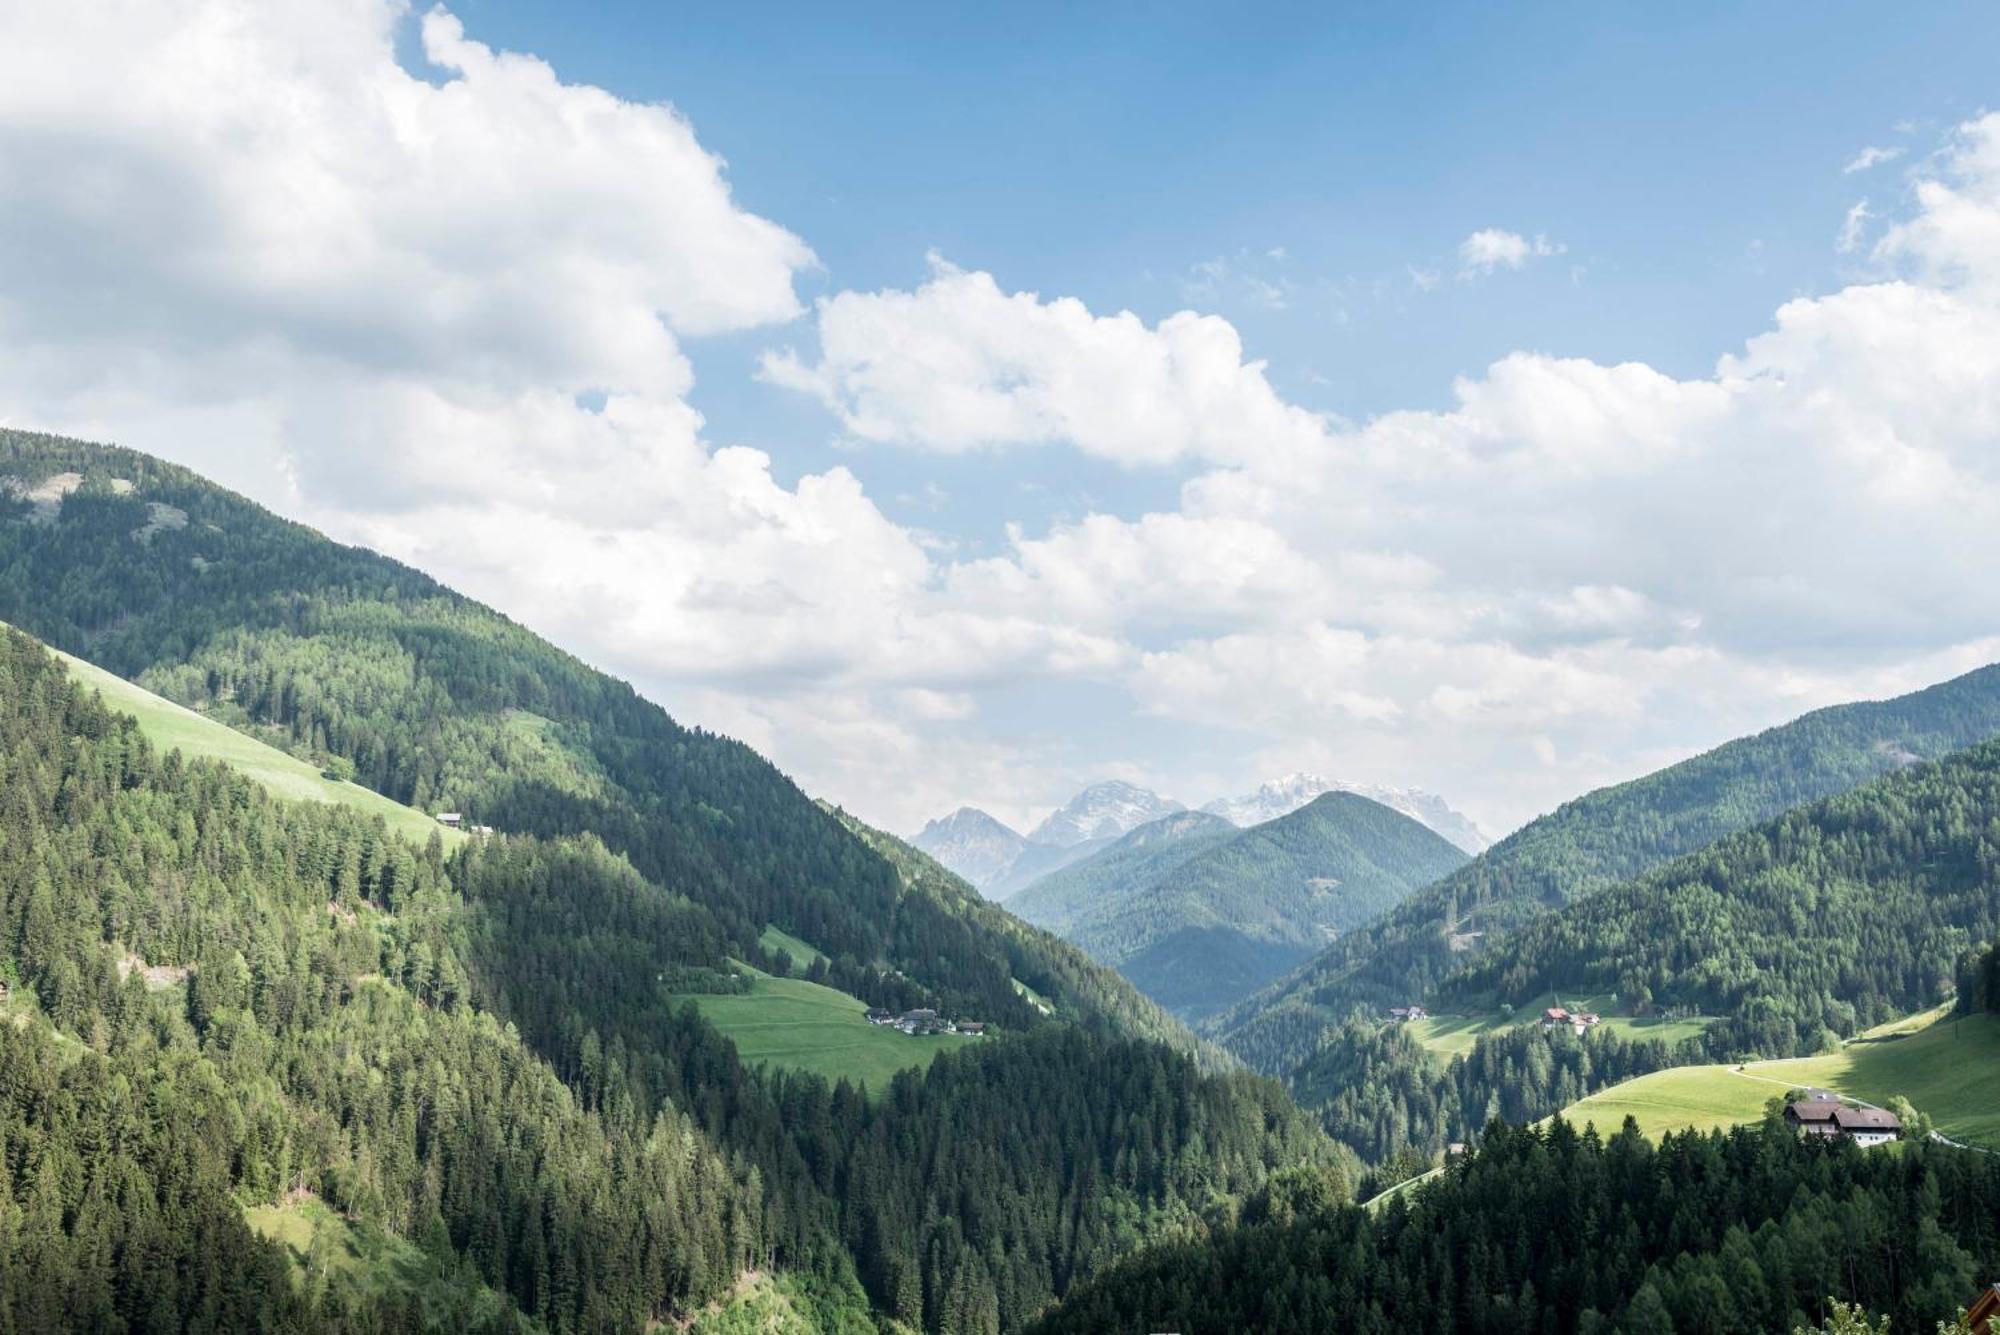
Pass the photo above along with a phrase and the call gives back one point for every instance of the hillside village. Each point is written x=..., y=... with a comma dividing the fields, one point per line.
x=923, y=1022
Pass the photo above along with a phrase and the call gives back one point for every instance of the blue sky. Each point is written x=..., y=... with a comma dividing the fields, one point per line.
x=1030, y=544
x=1687, y=156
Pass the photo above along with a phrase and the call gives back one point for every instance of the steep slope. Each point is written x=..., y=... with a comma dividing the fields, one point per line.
x=1598, y=840
x=195, y=970
x=337, y=654
x=1281, y=797
x=171, y=727
x=1102, y=811
x=1206, y=930
x=527, y=1001
x=971, y=844
x=1839, y=915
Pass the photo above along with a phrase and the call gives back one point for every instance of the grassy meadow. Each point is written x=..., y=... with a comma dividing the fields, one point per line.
x=1948, y=1067
x=794, y=1023
x=173, y=727
x=1454, y=1035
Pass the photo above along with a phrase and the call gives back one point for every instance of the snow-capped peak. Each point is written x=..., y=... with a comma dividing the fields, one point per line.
x=1102, y=811
x=1281, y=797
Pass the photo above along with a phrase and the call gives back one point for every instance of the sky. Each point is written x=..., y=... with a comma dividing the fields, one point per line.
x=962, y=404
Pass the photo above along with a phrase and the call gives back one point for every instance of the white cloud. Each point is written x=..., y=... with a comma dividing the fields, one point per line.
x=960, y=365
x=1870, y=157
x=1492, y=248
x=1608, y=562
x=448, y=319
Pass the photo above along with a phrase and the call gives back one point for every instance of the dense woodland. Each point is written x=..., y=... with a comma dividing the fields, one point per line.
x=1595, y=842
x=1564, y=1233
x=493, y=1056
x=1833, y=918
x=1205, y=922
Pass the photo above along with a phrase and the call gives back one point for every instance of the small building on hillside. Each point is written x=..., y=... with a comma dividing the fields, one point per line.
x=876, y=1015
x=1813, y=1117
x=974, y=1027
x=451, y=818
x=923, y=1020
x=1869, y=1126
x=1829, y=1117
x=1984, y=1310
x=1554, y=1016
x=1400, y=1013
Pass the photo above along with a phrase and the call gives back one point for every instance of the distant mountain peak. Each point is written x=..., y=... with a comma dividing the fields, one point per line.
x=1103, y=811
x=972, y=844
x=1282, y=796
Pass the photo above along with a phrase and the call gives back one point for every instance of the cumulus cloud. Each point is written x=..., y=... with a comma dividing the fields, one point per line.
x=445, y=312
x=961, y=365
x=1492, y=248
x=1591, y=566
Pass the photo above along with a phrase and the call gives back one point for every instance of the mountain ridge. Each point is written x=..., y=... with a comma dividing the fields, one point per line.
x=1599, y=840
x=1208, y=915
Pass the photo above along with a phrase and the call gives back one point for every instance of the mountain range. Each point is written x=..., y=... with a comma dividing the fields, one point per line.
x=1200, y=913
x=501, y=1075
x=1002, y=862
x=1597, y=841
x=582, y=1061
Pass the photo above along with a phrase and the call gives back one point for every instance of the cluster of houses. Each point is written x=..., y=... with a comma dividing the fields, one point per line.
x=1821, y=1113
x=924, y=1020
x=1555, y=1017
x=456, y=821
x=1401, y=1013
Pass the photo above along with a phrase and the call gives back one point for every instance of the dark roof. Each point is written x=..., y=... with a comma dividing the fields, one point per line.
x=1986, y=1306
x=1814, y=1110
x=1867, y=1119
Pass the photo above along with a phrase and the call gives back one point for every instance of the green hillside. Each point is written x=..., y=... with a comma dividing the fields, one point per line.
x=1199, y=919
x=1773, y=943
x=1948, y=1067
x=1068, y=895
x=173, y=727
x=793, y=1023
x=337, y=654
x=526, y=1026
x=1836, y=917
x=1599, y=840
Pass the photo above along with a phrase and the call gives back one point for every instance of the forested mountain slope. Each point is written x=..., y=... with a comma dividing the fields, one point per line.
x=1200, y=932
x=492, y=1057
x=1066, y=895
x=1077, y=987
x=1580, y=1234
x=1832, y=919
x=1598, y=840
x=334, y=652
x=1835, y=917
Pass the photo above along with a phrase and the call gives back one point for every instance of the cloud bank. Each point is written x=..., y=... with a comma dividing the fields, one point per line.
x=444, y=310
